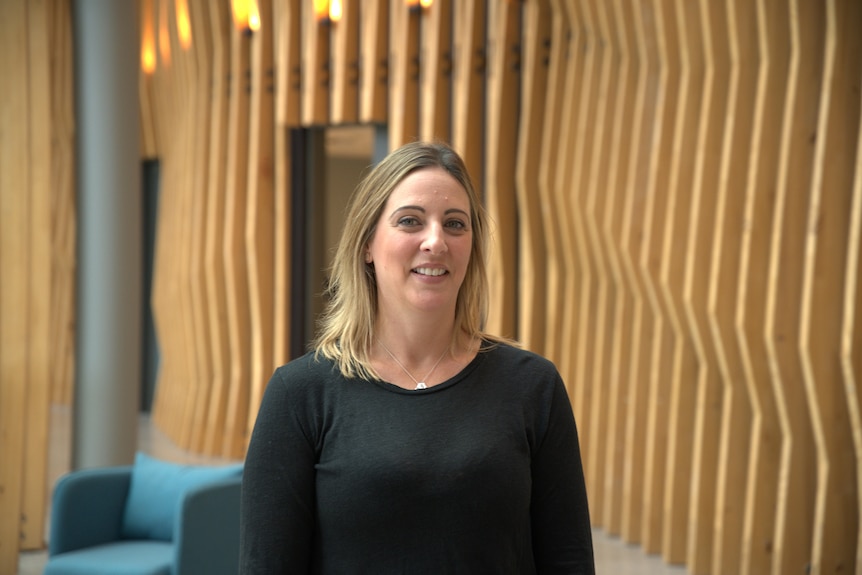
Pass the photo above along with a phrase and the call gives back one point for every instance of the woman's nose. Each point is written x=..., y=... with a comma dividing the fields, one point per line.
x=435, y=240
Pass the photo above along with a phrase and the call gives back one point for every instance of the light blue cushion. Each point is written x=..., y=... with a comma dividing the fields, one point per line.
x=120, y=558
x=156, y=490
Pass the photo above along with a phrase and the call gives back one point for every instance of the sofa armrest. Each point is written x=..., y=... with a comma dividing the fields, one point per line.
x=207, y=529
x=87, y=508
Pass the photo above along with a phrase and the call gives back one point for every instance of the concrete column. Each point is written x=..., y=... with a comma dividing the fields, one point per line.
x=109, y=209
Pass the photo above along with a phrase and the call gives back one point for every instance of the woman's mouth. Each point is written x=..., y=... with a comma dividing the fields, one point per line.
x=433, y=272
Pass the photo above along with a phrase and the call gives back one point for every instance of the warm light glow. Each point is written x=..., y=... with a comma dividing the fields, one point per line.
x=412, y=3
x=148, y=37
x=321, y=10
x=164, y=34
x=246, y=14
x=184, y=24
x=241, y=9
x=426, y=3
x=254, y=16
x=336, y=10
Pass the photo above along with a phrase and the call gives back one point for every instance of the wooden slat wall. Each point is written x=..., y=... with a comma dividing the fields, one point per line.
x=676, y=189
x=37, y=261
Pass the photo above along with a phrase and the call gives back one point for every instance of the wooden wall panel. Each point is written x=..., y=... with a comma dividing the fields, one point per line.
x=641, y=491
x=63, y=226
x=851, y=342
x=553, y=141
x=577, y=257
x=344, y=87
x=764, y=453
x=374, y=39
x=535, y=36
x=36, y=413
x=661, y=100
x=288, y=63
x=625, y=459
x=836, y=512
x=200, y=101
x=735, y=425
x=696, y=503
x=794, y=521
x=218, y=339
x=605, y=194
x=641, y=171
x=467, y=61
x=503, y=99
x=315, y=63
x=260, y=222
x=404, y=73
x=233, y=246
x=435, y=71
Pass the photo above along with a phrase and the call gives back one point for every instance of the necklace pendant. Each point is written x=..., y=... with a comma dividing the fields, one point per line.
x=421, y=385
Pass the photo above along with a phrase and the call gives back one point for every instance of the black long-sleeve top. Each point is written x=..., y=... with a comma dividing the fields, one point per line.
x=479, y=474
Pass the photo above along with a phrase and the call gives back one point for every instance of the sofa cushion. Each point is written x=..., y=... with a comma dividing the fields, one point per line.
x=156, y=490
x=119, y=558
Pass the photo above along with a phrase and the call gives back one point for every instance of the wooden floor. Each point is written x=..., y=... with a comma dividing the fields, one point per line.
x=613, y=557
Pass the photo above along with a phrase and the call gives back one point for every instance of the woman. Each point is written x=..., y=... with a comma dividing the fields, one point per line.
x=410, y=441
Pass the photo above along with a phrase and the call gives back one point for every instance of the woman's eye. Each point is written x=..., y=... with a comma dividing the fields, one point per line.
x=408, y=221
x=456, y=225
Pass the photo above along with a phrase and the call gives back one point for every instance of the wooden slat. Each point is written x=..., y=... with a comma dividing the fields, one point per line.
x=548, y=166
x=836, y=518
x=626, y=457
x=260, y=207
x=503, y=99
x=284, y=93
x=404, y=73
x=288, y=67
x=435, y=53
x=14, y=295
x=763, y=462
x=794, y=527
x=236, y=265
x=218, y=339
x=40, y=161
x=608, y=227
x=660, y=51
x=689, y=529
x=724, y=283
x=63, y=206
x=314, y=108
x=531, y=244
x=642, y=504
x=595, y=196
x=851, y=340
x=200, y=100
x=344, y=88
x=467, y=61
x=374, y=39
x=563, y=208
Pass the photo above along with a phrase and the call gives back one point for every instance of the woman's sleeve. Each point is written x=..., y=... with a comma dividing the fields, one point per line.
x=277, y=506
x=562, y=536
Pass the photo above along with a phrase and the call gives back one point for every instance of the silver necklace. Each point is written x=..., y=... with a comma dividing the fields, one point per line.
x=419, y=384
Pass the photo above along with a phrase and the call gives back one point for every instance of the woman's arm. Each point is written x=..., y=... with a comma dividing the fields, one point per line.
x=277, y=505
x=562, y=536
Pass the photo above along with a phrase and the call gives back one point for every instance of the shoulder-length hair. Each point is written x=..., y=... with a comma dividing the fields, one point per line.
x=346, y=327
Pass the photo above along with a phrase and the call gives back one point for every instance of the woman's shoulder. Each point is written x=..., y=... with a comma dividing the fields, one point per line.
x=511, y=354
x=309, y=369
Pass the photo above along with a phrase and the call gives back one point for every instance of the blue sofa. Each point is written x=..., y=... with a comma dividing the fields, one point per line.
x=150, y=518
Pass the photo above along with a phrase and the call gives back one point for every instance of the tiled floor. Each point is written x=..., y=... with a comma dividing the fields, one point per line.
x=613, y=557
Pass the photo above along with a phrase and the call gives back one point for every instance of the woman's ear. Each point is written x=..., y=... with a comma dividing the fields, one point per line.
x=368, y=258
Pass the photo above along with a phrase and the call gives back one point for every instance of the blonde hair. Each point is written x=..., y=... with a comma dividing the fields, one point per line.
x=346, y=328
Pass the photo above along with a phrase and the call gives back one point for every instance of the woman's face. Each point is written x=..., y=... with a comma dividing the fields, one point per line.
x=421, y=245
